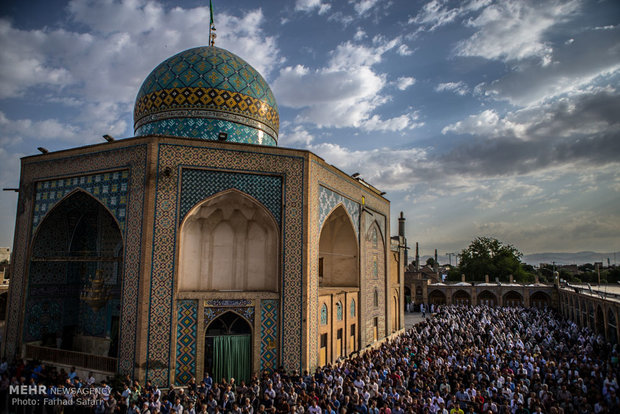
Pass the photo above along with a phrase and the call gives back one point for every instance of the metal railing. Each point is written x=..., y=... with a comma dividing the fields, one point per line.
x=71, y=358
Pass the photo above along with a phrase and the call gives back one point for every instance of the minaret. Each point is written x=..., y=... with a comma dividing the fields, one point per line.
x=401, y=235
x=417, y=257
x=436, y=264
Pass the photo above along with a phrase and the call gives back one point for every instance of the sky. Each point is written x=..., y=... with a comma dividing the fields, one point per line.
x=478, y=118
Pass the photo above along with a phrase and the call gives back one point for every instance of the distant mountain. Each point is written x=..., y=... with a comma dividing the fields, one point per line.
x=535, y=259
x=578, y=258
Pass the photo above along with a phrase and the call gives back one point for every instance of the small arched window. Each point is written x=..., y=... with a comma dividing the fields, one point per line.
x=376, y=298
x=375, y=266
x=339, y=311
x=353, y=308
x=374, y=237
x=324, y=314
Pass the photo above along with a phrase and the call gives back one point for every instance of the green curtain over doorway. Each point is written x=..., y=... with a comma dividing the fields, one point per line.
x=232, y=357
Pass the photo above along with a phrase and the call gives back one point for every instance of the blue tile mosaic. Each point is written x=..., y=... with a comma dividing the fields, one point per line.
x=197, y=185
x=328, y=200
x=187, y=327
x=110, y=188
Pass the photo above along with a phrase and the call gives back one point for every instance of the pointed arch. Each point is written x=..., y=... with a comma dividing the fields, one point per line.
x=78, y=238
x=228, y=347
x=61, y=204
x=340, y=205
x=512, y=298
x=338, y=251
x=231, y=320
x=374, y=229
x=461, y=297
x=487, y=297
x=229, y=241
x=612, y=327
x=324, y=314
x=339, y=312
x=540, y=299
x=600, y=320
x=437, y=297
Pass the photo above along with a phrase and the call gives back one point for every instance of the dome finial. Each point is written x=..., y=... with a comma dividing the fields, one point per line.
x=212, y=34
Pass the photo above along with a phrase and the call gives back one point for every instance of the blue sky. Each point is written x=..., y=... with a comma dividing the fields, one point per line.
x=478, y=118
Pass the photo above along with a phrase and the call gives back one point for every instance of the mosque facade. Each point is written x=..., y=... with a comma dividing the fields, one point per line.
x=199, y=245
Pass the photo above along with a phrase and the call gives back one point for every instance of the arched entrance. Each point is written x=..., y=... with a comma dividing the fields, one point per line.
x=612, y=327
x=583, y=318
x=407, y=296
x=338, y=267
x=487, y=298
x=539, y=300
x=74, y=281
x=3, y=303
x=513, y=299
x=338, y=251
x=437, y=297
x=462, y=298
x=228, y=348
x=229, y=251
x=600, y=320
x=395, y=314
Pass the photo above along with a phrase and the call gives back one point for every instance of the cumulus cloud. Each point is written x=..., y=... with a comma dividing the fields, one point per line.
x=404, y=50
x=56, y=131
x=311, y=5
x=346, y=92
x=460, y=88
x=515, y=30
x=24, y=64
x=404, y=82
x=396, y=176
x=511, y=30
x=507, y=158
x=592, y=58
x=580, y=130
x=362, y=6
x=95, y=66
x=295, y=137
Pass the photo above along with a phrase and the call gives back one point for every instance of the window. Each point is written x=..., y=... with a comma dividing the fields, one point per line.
x=339, y=311
x=373, y=237
x=323, y=340
x=376, y=298
x=375, y=266
x=324, y=314
x=353, y=308
x=321, y=269
x=375, y=329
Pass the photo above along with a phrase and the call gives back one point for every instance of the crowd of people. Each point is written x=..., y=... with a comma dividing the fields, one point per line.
x=473, y=359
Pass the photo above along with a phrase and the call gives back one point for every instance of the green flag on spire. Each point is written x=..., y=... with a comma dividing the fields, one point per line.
x=211, y=10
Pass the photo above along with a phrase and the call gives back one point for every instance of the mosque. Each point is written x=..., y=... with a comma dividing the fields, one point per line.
x=199, y=245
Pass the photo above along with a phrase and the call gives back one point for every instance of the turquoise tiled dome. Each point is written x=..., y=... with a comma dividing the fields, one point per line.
x=203, y=91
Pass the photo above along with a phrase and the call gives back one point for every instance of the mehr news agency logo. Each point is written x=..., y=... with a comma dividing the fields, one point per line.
x=37, y=395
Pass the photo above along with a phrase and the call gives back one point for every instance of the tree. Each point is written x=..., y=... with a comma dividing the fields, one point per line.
x=489, y=256
x=430, y=262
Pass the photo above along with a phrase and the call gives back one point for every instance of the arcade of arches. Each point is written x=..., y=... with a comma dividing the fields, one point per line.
x=599, y=314
x=594, y=311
